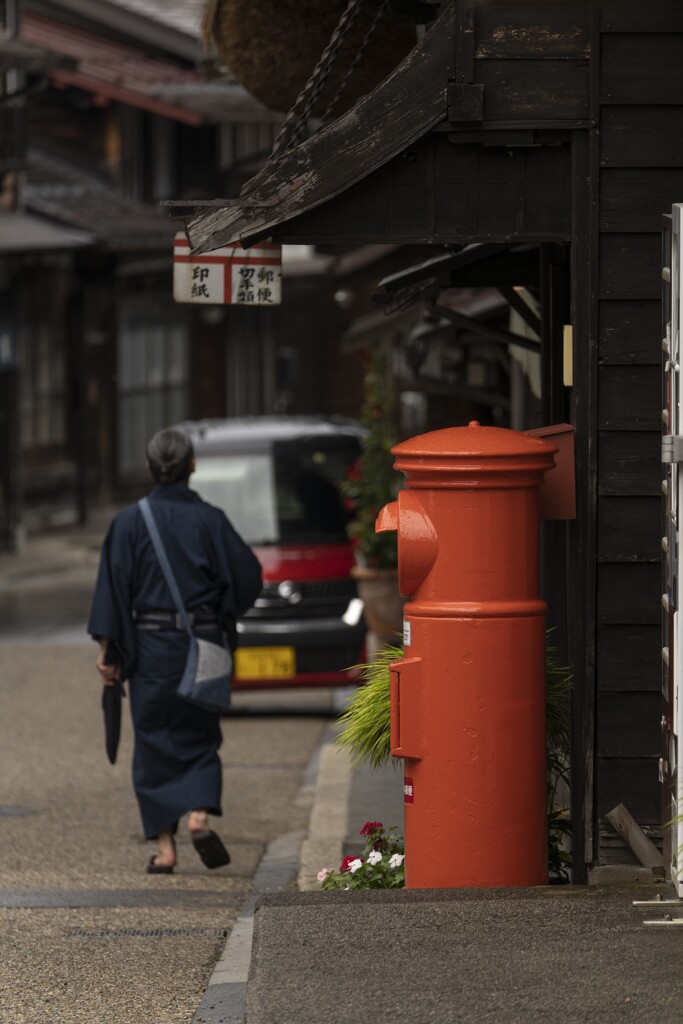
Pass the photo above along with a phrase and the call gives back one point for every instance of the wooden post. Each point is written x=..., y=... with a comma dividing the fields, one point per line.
x=629, y=829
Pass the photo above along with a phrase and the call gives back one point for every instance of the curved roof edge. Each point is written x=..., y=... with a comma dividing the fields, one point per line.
x=398, y=111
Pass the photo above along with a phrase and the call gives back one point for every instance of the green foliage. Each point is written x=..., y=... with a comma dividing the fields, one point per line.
x=380, y=865
x=559, y=822
x=557, y=694
x=559, y=828
x=365, y=720
x=374, y=482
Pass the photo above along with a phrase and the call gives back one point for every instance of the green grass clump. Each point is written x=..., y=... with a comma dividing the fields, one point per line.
x=365, y=720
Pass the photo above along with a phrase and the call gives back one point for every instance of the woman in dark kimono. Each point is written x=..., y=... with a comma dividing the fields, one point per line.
x=176, y=767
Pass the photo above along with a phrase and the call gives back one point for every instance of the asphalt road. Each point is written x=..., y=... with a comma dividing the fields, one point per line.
x=85, y=934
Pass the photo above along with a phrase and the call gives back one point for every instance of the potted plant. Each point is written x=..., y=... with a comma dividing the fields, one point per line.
x=371, y=483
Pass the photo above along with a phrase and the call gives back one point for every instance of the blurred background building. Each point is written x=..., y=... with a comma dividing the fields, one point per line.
x=108, y=108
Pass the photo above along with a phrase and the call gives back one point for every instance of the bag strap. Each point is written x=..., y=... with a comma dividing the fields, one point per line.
x=164, y=563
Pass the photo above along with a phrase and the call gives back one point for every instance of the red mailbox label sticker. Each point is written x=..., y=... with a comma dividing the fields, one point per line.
x=408, y=791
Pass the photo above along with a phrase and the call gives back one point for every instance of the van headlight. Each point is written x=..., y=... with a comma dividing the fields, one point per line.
x=354, y=612
x=290, y=591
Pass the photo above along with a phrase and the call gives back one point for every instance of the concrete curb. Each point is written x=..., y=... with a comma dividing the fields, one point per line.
x=224, y=1001
x=323, y=845
x=325, y=788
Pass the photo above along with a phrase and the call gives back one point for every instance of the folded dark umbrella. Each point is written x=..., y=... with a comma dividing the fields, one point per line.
x=111, y=706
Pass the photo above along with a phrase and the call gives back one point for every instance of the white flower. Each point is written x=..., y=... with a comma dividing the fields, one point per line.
x=322, y=875
x=396, y=860
x=355, y=864
x=374, y=858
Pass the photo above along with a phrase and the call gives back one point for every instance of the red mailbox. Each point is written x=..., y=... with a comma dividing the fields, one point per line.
x=468, y=699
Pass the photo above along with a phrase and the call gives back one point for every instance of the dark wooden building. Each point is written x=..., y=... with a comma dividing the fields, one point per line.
x=112, y=111
x=550, y=134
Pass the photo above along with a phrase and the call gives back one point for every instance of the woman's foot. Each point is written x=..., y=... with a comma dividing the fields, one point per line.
x=158, y=869
x=165, y=860
x=198, y=822
x=208, y=845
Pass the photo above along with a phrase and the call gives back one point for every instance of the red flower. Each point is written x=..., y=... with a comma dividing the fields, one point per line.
x=344, y=866
x=371, y=826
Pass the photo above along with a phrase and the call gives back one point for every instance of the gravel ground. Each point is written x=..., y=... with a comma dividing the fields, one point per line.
x=105, y=980
x=78, y=829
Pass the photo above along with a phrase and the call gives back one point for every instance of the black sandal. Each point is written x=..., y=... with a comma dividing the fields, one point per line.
x=158, y=869
x=210, y=848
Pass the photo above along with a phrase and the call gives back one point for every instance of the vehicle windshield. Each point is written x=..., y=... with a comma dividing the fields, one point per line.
x=289, y=495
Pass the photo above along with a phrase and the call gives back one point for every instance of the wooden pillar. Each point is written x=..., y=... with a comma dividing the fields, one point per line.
x=582, y=532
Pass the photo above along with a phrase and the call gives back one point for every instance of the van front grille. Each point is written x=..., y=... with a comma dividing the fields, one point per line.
x=313, y=598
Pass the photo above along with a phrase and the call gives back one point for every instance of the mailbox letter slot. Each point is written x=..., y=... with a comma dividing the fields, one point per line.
x=406, y=740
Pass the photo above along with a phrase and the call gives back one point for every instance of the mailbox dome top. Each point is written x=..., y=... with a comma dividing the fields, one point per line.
x=474, y=441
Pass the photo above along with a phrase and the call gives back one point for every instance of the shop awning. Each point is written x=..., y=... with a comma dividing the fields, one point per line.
x=126, y=74
x=24, y=232
x=17, y=56
x=83, y=203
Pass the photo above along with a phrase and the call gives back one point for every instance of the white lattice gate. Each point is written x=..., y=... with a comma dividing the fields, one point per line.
x=671, y=763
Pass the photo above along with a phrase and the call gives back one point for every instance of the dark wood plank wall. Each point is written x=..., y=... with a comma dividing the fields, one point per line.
x=441, y=191
x=534, y=59
x=641, y=174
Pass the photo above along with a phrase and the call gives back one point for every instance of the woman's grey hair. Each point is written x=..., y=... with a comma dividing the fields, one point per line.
x=170, y=454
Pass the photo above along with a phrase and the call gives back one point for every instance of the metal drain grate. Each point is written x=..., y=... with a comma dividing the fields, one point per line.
x=30, y=899
x=148, y=933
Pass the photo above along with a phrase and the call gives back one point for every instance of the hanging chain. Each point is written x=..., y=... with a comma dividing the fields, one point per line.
x=295, y=122
x=356, y=61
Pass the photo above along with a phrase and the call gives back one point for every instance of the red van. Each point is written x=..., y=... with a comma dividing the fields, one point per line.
x=278, y=480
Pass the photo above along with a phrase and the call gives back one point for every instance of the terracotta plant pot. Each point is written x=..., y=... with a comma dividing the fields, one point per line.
x=383, y=604
x=273, y=46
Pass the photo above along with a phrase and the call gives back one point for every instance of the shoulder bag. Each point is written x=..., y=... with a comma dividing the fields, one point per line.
x=207, y=676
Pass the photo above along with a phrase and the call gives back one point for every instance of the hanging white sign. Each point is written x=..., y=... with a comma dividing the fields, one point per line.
x=231, y=276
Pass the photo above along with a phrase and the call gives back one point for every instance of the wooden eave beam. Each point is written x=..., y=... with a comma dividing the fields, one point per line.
x=510, y=267
x=487, y=331
x=483, y=397
x=438, y=265
x=405, y=106
x=516, y=302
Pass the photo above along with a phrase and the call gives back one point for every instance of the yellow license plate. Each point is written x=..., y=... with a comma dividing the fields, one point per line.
x=265, y=663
